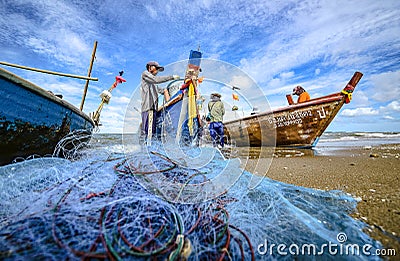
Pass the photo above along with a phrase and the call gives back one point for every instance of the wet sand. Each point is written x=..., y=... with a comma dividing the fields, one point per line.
x=370, y=174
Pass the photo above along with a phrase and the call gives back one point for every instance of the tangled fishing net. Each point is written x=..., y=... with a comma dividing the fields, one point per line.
x=150, y=204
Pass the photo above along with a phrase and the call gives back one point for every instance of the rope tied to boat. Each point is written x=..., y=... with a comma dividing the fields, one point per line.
x=348, y=91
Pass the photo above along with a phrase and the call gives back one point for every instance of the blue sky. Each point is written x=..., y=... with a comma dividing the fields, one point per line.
x=276, y=44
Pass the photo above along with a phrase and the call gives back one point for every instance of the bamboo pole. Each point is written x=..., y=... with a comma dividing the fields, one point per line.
x=49, y=72
x=89, y=72
x=96, y=115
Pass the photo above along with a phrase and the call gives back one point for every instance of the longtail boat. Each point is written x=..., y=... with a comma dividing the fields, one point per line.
x=296, y=125
x=178, y=116
x=33, y=120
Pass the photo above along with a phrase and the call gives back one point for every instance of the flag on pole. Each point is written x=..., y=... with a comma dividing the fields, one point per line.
x=192, y=112
x=118, y=79
x=235, y=96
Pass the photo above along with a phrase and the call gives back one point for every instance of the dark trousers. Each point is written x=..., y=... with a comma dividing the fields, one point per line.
x=217, y=133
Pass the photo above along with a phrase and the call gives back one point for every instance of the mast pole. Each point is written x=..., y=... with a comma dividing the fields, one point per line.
x=89, y=73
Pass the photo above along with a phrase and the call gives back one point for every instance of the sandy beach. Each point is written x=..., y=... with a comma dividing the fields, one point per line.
x=370, y=174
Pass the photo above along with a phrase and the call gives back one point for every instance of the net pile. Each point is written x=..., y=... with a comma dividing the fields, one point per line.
x=151, y=205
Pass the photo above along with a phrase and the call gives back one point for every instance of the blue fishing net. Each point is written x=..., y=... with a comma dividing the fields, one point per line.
x=150, y=204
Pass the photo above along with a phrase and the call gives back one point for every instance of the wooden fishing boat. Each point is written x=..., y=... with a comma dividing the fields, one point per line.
x=297, y=125
x=178, y=116
x=33, y=120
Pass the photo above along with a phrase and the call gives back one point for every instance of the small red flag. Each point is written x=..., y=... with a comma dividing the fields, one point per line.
x=235, y=96
x=118, y=79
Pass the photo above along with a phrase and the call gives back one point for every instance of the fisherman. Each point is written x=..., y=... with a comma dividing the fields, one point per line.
x=149, y=94
x=216, y=113
x=303, y=95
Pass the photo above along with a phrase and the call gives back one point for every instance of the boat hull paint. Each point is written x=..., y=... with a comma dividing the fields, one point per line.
x=32, y=120
x=295, y=127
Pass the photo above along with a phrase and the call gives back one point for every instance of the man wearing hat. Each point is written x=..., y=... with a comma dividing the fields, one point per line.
x=216, y=127
x=303, y=95
x=149, y=94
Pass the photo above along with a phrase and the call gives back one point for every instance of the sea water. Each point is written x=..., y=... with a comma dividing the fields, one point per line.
x=110, y=203
x=332, y=142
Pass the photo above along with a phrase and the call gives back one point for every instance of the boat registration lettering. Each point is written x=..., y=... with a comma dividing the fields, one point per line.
x=290, y=118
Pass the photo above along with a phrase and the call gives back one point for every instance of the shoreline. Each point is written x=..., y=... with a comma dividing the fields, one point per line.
x=369, y=174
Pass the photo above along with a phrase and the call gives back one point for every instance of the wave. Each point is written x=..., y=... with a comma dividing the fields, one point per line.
x=383, y=137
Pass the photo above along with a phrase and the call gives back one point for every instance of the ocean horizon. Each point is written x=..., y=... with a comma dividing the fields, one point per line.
x=328, y=144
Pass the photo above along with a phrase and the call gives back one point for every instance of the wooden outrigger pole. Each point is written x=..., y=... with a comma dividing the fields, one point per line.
x=49, y=72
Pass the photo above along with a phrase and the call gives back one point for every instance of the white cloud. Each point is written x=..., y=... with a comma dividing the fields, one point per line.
x=360, y=98
x=121, y=100
x=388, y=117
x=152, y=12
x=386, y=86
x=324, y=33
x=359, y=112
x=394, y=105
x=240, y=80
x=287, y=74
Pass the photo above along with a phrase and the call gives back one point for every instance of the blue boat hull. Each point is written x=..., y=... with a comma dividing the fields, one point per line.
x=32, y=120
x=168, y=123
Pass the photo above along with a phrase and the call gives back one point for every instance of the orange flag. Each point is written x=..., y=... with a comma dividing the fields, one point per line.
x=235, y=96
x=201, y=79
